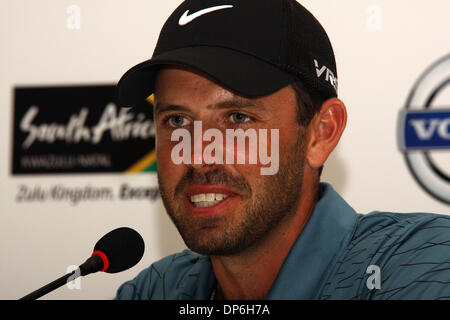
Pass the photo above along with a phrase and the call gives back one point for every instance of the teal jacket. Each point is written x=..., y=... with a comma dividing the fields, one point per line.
x=339, y=255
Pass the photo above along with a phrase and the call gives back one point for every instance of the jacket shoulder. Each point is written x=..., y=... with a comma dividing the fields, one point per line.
x=410, y=251
x=166, y=278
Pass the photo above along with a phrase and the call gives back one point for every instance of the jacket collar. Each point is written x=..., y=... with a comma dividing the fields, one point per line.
x=328, y=229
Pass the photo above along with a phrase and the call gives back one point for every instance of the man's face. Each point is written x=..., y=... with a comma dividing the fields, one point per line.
x=246, y=205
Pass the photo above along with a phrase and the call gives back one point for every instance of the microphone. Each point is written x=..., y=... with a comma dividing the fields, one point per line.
x=118, y=250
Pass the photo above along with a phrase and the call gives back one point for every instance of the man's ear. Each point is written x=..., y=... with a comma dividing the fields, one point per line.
x=324, y=131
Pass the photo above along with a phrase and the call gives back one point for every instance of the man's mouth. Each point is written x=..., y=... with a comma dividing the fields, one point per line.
x=204, y=200
x=209, y=199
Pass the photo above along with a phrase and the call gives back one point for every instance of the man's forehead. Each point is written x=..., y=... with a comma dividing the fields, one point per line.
x=178, y=87
x=178, y=82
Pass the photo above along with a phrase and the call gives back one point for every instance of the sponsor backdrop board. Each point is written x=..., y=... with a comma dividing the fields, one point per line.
x=74, y=166
x=59, y=130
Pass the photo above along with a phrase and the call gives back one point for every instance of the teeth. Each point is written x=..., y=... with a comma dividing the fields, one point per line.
x=204, y=204
x=198, y=197
x=207, y=199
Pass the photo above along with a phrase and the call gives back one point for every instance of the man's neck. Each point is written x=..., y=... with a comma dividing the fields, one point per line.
x=251, y=273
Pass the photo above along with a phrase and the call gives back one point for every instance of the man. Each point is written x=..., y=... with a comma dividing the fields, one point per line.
x=268, y=65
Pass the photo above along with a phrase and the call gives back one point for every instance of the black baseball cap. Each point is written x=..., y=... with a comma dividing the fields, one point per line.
x=253, y=47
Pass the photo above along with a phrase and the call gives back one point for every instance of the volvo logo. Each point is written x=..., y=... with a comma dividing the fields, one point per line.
x=424, y=130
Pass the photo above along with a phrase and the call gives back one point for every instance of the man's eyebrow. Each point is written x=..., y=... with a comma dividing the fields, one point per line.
x=228, y=104
x=235, y=103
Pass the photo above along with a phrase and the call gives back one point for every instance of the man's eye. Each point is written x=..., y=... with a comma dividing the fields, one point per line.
x=177, y=121
x=239, y=118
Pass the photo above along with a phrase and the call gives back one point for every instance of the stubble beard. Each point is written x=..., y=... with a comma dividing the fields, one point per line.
x=266, y=204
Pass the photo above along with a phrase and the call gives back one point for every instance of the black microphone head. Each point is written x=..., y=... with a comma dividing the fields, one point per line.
x=123, y=248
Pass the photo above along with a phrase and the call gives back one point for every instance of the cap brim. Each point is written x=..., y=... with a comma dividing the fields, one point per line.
x=240, y=72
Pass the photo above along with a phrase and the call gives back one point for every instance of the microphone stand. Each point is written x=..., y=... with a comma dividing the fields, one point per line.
x=91, y=265
x=49, y=287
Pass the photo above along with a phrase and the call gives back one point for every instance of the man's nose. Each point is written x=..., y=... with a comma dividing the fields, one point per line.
x=205, y=150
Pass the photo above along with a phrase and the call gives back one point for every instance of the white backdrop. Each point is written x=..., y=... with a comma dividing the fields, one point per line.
x=381, y=48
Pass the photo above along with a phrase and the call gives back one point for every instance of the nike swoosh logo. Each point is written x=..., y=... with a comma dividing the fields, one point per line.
x=186, y=17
